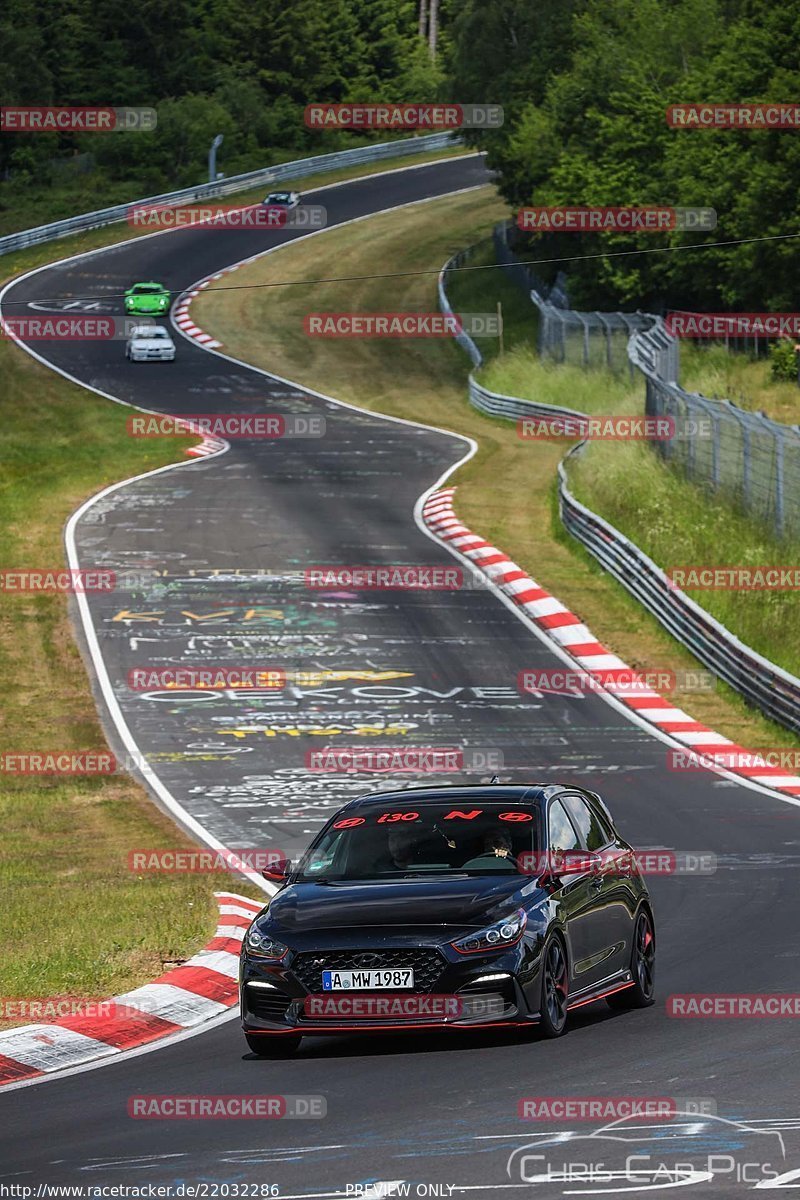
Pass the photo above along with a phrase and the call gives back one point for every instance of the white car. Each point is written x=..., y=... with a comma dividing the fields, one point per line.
x=150, y=343
x=283, y=199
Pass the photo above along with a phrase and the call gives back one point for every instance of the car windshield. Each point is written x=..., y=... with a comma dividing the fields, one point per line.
x=402, y=841
x=148, y=289
x=278, y=197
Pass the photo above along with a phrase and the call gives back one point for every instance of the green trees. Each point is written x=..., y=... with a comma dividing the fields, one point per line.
x=585, y=85
x=207, y=67
x=585, y=124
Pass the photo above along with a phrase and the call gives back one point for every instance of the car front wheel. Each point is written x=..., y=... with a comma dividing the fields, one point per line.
x=555, y=989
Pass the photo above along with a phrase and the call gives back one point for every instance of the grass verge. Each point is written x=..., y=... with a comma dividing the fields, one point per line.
x=76, y=921
x=637, y=492
x=110, y=930
x=715, y=372
x=675, y=521
x=506, y=490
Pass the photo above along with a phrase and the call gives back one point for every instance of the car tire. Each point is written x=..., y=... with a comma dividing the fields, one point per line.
x=643, y=967
x=273, y=1047
x=554, y=997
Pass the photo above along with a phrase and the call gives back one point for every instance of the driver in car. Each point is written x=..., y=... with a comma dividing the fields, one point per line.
x=496, y=853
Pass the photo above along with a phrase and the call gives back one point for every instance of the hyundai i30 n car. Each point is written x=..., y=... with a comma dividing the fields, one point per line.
x=454, y=908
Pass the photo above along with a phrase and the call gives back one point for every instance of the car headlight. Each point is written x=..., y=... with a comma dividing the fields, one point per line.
x=499, y=936
x=263, y=946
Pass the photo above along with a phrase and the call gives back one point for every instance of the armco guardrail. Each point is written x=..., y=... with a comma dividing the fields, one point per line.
x=494, y=404
x=278, y=173
x=768, y=687
x=463, y=339
x=765, y=685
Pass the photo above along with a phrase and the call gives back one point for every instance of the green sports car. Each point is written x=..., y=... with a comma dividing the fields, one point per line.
x=147, y=298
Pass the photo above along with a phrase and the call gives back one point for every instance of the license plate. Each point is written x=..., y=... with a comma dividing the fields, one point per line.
x=344, y=981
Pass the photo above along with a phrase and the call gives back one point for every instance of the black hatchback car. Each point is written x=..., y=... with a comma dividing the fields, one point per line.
x=451, y=907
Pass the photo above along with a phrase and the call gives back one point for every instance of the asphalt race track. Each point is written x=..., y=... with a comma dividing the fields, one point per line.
x=230, y=537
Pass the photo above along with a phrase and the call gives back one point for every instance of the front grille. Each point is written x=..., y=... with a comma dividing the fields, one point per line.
x=267, y=1005
x=426, y=964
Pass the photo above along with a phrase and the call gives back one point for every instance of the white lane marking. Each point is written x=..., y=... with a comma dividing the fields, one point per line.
x=230, y=931
x=135, y=1052
x=48, y=1047
x=221, y=961
x=171, y=1003
x=232, y=911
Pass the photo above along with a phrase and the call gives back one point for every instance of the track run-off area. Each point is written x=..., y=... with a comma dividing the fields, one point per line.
x=227, y=538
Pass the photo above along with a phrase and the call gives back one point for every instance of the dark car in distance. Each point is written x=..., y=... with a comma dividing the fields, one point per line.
x=453, y=908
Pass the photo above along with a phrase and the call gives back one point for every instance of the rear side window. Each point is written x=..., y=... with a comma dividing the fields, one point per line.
x=561, y=833
x=594, y=831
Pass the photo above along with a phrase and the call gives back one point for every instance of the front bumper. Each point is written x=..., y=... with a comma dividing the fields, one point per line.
x=472, y=992
x=134, y=309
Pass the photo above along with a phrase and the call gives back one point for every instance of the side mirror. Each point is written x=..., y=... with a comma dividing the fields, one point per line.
x=279, y=873
x=574, y=862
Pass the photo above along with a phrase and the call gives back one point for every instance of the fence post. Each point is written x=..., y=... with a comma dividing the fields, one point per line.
x=779, y=509
x=746, y=461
